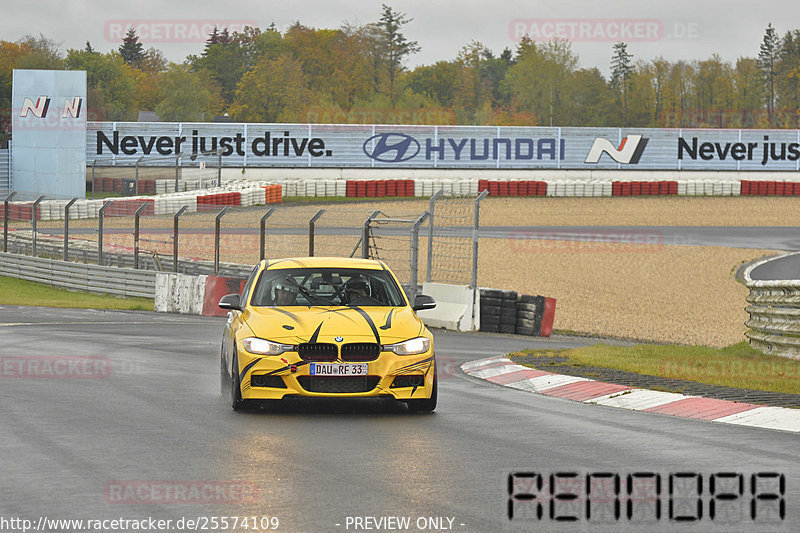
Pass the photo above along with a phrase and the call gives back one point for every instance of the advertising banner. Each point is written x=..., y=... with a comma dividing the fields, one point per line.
x=467, y=147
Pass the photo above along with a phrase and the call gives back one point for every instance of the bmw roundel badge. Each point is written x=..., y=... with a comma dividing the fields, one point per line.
x=338, y=339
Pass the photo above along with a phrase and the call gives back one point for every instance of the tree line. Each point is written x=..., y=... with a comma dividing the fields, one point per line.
x=358, y=74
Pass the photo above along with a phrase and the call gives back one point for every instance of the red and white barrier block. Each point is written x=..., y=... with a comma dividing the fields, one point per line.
x=503, y=371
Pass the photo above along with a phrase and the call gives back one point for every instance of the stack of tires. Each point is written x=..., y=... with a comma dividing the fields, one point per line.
x=529, y=315
x=498, y=310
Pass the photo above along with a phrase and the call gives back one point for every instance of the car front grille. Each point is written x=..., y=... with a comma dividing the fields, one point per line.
x=318, y=351
x=360, y=351
x=338, y=384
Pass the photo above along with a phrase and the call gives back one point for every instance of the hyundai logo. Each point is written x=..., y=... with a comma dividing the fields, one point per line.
x=391, y=147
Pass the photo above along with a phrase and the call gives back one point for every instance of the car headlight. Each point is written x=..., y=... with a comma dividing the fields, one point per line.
x=265, y=347
x=410, y=347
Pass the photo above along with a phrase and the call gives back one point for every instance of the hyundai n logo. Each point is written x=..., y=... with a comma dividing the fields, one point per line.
x=391, y=147
x=629, y=151
x=72, y=106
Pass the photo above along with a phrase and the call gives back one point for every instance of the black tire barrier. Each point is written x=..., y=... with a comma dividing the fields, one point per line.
x=524, y=331
x=491, y=328
x=490, y=310
x=507, y=328
x=491, y=293
x=492, y=302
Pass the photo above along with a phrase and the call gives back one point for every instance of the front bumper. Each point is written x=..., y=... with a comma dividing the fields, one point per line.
x=403, y=377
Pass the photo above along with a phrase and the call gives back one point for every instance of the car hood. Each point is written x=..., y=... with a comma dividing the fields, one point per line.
x=296, y=324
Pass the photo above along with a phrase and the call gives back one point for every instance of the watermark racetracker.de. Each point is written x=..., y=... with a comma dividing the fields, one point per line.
x=594, y=241
x=172, y=31
x=160, y=492
x=54, y=367
x=603, y=30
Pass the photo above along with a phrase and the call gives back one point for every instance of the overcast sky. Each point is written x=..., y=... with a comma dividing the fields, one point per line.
x=673, y=29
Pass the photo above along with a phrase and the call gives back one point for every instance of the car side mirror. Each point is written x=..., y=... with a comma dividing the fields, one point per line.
x=230, y=301
x=423, y=301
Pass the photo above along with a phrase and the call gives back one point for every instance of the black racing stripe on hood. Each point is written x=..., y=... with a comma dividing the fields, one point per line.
x=342, y=311
x=370, y=322
x=314, y=337
x=388, y=323
x=248, y=367
x=287, y=313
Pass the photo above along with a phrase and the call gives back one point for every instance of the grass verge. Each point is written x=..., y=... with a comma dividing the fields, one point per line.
x=737, y=365
x=15, y=291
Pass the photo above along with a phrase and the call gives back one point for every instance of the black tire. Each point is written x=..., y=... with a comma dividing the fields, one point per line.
x=490, y=310
x=507, y=328
x=527, y=315
x=224, y=378
x=525, y=323
x=491, y=293
x=528, y=299
x=533, y=308
x=510, y=296
x=493, y=302
x=490, y=328
x=508, y=316
x=524, y=331
x=491, y=320
x=427, y=405
x=237, y=403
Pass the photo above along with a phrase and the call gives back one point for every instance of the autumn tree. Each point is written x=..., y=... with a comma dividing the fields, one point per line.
x=621, y=71
x=395, y=47
x=767, y=59
x=110, y=84
x=273, y=91
x=131, y=49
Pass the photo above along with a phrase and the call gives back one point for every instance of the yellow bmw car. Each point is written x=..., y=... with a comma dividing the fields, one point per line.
x=327, y=328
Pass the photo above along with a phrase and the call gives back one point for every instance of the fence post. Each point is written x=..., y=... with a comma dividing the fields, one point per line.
x=415, y=255
x=100, y=216
x=177, y=157
x=66, y=227
x=5, y=220
x=216, y=238
x=431, y=205
x=219, y=167
x=263, y=233
x=475, y=227
x=34, y=210
x=136, y=216
x=311, y=232
x=94, y=163
x=136, y=177
x=175, y=237
x=365, y=235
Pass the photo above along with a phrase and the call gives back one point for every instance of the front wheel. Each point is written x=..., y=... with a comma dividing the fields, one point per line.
x=427, y=405
x=237, y=403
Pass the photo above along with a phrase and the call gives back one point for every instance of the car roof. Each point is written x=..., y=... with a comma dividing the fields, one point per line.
x=324, y=262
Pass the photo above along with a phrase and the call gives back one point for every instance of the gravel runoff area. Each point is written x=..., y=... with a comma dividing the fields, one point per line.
x=652, y=292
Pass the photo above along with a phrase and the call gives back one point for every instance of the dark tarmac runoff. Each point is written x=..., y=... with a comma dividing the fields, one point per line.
x=119, y=415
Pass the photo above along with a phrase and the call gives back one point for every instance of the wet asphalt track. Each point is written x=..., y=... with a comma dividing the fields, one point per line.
x=158, y=417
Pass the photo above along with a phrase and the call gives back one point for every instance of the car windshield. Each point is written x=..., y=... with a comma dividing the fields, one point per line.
x=327, y=286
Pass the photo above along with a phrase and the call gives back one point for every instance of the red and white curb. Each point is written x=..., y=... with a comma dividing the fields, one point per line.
x=503, y=371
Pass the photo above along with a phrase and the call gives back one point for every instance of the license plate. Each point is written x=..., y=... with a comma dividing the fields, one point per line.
x=352, y=369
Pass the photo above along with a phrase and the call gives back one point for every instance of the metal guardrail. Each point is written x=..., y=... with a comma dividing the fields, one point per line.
x=774, y=324
x=77, y=276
